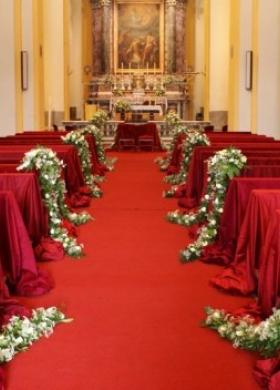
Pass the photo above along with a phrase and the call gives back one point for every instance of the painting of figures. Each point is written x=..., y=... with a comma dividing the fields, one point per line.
x=138, y=41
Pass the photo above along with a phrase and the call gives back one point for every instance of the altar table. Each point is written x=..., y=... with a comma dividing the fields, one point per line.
x=136, y=131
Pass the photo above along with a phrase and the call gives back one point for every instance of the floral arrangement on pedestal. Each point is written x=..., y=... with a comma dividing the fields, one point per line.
x=99, y=118
x=172, y=119
x=21, y=332
x=77, y=139
x=245, y=333
x=222, y=167
x=122, y=106
x=193, y=138
x=49, y=169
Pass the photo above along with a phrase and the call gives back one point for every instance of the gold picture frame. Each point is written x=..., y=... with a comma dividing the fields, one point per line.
x=138, y=36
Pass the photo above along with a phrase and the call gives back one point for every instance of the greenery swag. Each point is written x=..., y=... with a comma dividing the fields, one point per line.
x=77, y=139
x=49, y=167
x=193, y=138
x=20, y=333
x=97, y=133
x=222, y=167
x=245, y=333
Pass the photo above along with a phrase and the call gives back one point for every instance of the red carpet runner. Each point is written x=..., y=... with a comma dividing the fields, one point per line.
x=136, y=309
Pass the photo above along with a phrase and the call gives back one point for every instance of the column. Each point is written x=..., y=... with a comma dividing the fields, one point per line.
x=170, y=48
x=106, y=35
x=97, y=36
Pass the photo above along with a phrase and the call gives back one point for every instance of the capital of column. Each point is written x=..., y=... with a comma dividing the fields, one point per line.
x=100, y=3
x=170, y=3
x=105, y=3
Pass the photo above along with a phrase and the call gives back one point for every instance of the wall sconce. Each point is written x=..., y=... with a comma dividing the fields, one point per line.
x=249, y=70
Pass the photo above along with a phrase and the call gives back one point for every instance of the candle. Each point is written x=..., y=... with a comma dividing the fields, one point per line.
x=147, y=65
x=154, y=68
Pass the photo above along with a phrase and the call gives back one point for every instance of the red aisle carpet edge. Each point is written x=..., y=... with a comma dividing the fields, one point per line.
x=136, y=309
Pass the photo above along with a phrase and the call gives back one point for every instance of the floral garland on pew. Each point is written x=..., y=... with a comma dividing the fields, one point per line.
x=20, y=333
x=245, y=333
x=172, y=120
x=78, y=140
x=194, y=138
x=222, y=167
x=45, y=161
x=95, y=129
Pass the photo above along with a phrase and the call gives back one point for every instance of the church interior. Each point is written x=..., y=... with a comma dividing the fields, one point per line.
x=139, y=191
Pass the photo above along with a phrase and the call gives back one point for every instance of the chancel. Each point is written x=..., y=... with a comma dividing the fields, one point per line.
x=139, y=194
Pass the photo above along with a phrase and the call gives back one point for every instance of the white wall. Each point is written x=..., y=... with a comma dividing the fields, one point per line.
x=244, y=117
x=268, y=89
x=219, y=54
x=53, y=55
x=27, y=44
x=7, y=69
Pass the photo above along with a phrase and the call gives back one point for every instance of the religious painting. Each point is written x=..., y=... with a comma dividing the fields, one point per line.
x=138, y=36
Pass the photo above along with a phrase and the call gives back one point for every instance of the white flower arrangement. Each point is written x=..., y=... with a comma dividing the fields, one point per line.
x=97, y=133
x=245, y=333
x=20, y=333
x=99, y=118
x=222, y=167
x=49, y=167
x=172, y=119
x=122, y=106
x=193, y=138
x=77, y=139
x=163, y=162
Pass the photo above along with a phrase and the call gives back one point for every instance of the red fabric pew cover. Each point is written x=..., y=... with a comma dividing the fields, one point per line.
x=16, y=253
x=223, y=250
x=72, y=171
x=241, y=276
x=27, y=194
x=195, y=179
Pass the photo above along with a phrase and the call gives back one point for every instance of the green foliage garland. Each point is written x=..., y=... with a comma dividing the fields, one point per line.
x=49, y=167
x=244, y=333
x=77, y=139
x=20, y=333
x=222, y=167
x=193, y=138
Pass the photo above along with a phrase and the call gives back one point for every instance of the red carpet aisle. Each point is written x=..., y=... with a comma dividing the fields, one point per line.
x=136, y=309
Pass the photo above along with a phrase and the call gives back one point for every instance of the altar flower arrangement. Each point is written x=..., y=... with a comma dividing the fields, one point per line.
x=243, y=332
x=77, y=139
x=99, y=118
x=21, y=332
x=193, y=138
x=222, y=167
x=172, y=119
x=122, y=106
x=49, y=168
